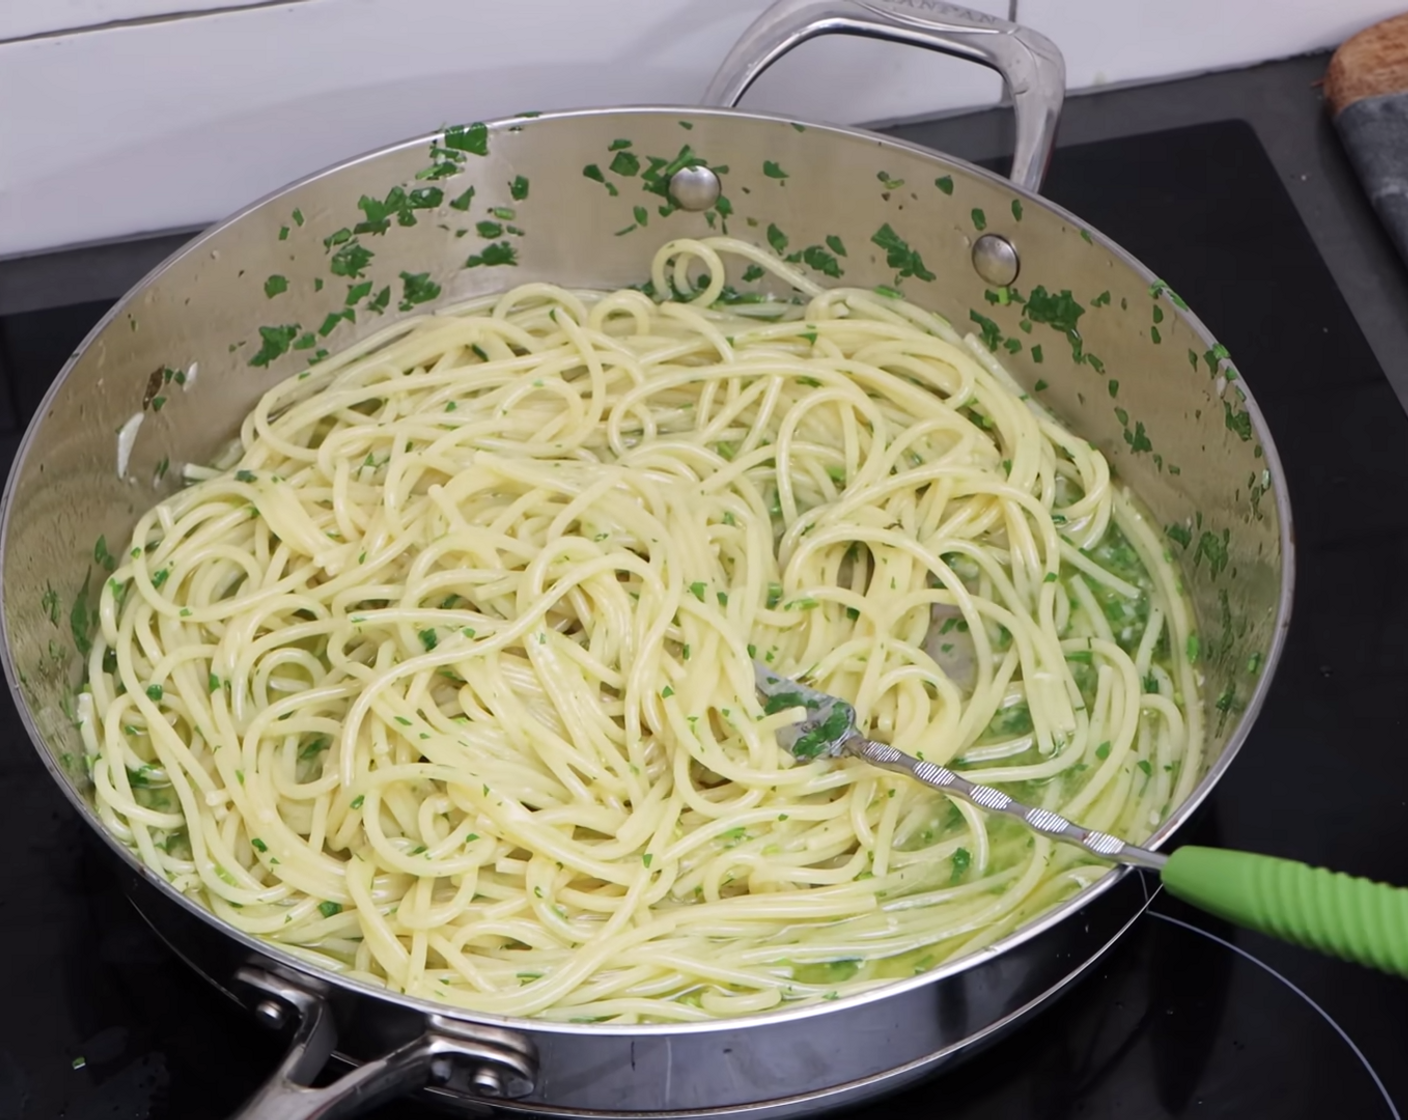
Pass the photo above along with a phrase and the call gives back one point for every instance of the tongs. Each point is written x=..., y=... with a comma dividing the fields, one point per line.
x=1355, y=919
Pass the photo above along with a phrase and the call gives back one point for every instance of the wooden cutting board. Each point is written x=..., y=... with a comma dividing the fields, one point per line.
x=1367, y=89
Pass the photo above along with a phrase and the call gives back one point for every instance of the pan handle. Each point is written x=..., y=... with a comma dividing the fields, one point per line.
x=1029, y=63
x=482, y=1063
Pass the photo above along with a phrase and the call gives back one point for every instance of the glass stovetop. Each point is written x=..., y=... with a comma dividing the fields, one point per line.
x=1185, y=1017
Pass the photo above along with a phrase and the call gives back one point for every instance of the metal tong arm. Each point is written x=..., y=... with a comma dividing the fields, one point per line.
x=1100, y=844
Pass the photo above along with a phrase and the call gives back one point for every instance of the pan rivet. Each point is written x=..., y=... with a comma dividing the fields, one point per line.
x=694, y=188
x=488, y=1082
x=272, y=1013
x=995, y=260
x=441, y=1070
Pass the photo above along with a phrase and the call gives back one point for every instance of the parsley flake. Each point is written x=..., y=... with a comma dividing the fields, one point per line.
x=471, y=138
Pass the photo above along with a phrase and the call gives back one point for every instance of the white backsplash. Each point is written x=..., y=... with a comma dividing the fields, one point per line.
x=180, y=117
x=20, y=19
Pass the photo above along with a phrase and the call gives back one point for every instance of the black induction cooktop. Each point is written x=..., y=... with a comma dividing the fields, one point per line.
x=1185, y=1017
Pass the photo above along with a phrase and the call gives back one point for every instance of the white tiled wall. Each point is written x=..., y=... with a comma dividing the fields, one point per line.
x=1130, y=40
x=21, y=19
x=183, y=114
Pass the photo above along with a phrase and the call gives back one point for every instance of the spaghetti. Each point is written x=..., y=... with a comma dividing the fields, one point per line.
x=442, y=677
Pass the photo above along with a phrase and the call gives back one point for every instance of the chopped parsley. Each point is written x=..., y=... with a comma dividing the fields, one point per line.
x=329, y=909
x=275, y=286
x=814, y=256
x=417, y=288
x=276, y=342
x=1215, y=357
x=333, y=319
x=625, y=164
x=1060, y=311
x=398, y=204
x=944, y=183
x=1214, y=548
x=899, y=255
x=1239, y=422
x=772, y=170
x=593, y=172
x=1159, y=287
x=471, y=138
x=499, y=253
x=351, y=260
x=1138, y=439
x=991, y=335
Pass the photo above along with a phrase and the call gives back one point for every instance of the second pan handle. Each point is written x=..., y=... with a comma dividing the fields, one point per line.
x=1029, y=62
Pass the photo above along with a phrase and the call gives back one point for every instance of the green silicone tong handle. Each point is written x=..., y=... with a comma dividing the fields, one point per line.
x=1355, y=919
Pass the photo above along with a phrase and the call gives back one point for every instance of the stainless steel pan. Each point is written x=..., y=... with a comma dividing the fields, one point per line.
x=1183, y=431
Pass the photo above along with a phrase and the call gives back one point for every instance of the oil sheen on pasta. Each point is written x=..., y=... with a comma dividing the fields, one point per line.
x=441, y=679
